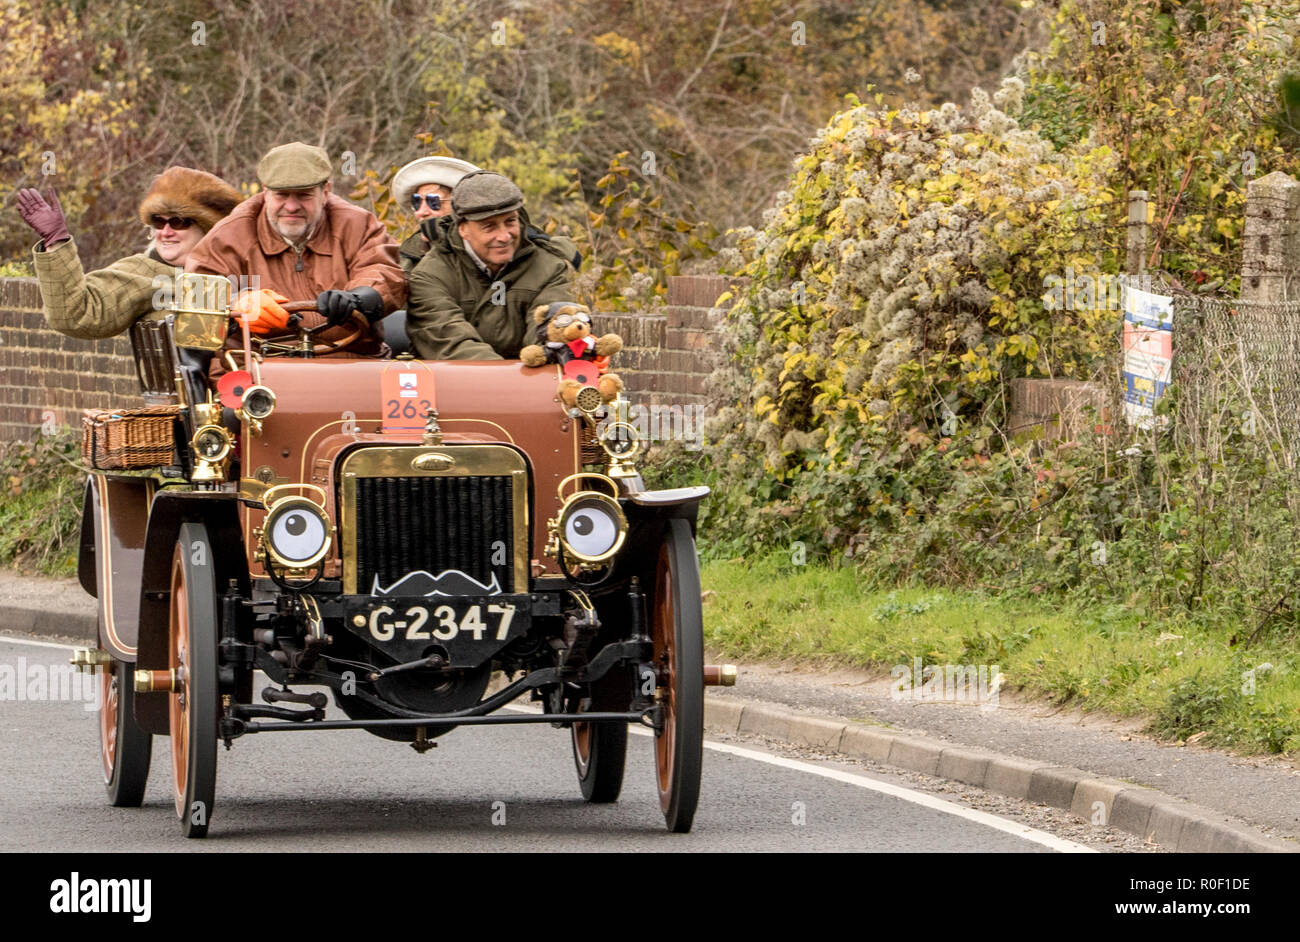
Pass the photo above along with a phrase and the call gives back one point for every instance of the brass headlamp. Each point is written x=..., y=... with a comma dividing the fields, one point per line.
x=590, y=526
x=296, y=533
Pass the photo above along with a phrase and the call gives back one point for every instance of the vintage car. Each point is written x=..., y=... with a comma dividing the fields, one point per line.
x=395, y=530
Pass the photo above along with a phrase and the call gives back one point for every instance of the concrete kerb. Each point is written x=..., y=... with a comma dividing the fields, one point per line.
x=1009, y=775
x=1135, y=809
x=27, y=619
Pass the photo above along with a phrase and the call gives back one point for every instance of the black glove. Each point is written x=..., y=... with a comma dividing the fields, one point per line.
x=337, y=306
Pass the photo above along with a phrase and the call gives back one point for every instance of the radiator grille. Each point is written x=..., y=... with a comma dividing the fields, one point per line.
x=405, y=524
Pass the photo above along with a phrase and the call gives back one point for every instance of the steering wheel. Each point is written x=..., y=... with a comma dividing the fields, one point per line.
x=305, y=345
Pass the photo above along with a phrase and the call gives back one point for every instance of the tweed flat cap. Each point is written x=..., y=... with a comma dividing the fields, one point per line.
x=483, y=194
x=294, y=166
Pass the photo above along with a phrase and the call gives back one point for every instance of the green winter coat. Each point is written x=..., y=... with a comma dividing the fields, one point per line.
x=452, y=311
x=105, y=302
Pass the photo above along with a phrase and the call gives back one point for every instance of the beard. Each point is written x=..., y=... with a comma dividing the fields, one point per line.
x=291, y=227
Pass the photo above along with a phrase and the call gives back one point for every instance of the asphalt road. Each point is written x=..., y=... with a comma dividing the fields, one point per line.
x=507, y=789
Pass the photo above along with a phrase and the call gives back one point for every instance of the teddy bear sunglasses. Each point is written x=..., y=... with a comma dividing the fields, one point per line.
x=564, y=320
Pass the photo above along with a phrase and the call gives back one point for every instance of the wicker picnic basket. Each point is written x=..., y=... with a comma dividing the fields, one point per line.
x=119, y=439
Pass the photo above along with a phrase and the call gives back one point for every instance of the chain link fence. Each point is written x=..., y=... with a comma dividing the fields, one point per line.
x=1236, y=370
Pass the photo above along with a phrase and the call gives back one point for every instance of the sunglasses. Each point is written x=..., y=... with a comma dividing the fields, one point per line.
x=432, y=200
x=176, y=222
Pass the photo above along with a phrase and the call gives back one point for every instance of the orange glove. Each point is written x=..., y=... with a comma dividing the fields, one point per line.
x=261, y=310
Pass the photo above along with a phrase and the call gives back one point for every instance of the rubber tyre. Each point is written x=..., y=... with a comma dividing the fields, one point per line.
x=124, y=748
x=677, y=629
x=193, y=709
x=599, y=755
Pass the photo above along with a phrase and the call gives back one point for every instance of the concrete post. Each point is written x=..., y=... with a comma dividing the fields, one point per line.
x=1270, y=262
x=1136, y=256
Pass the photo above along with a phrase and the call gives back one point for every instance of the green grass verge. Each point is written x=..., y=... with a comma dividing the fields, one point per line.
x=40, y=512
x=1184, y=677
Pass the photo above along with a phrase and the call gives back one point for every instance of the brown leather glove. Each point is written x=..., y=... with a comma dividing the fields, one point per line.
x=44, y=214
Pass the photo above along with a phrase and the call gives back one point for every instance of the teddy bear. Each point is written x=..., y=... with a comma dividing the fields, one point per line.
x=564, y=336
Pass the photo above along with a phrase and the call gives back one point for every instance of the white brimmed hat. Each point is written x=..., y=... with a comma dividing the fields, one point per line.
x=444, y=171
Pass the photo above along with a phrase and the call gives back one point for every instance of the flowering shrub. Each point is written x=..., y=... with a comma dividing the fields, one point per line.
x=896, y=287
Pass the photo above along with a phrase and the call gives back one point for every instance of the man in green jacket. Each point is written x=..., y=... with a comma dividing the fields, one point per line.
x=471, y=293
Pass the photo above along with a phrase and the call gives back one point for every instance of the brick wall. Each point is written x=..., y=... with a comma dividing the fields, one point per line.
x=44, y=373
x=667, y=357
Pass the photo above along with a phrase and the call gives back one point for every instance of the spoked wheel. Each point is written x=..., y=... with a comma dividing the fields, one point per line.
x=124, y=747
x=599, y=753
x=193, y=658
x=677, y=629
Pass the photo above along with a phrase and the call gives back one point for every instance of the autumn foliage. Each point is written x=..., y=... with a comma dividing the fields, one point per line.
x=688, y=110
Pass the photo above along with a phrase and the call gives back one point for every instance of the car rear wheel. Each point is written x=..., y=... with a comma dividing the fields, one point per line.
x=193, y=707
x=124, y=748
x=677, y=630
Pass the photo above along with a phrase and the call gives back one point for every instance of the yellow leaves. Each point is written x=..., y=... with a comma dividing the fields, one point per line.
x=622, y=48
x=839, y=130
x=791, y=362
x=946, y=183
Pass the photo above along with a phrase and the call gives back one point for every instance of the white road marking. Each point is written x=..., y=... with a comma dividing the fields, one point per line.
x=5, y=639
x=1013, y=828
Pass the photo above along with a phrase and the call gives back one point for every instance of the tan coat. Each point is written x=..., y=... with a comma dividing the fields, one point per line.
x=103, y=303
x=349, y=249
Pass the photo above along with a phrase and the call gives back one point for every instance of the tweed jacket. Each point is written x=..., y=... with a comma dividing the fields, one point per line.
x=104, y=302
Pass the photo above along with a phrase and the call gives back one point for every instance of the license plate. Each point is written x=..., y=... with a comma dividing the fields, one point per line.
x=469, y=628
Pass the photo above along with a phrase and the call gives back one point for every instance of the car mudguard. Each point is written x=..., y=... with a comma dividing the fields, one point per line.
x=115, y=513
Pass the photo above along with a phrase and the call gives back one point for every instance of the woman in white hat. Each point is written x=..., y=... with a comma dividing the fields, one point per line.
x=423, y=188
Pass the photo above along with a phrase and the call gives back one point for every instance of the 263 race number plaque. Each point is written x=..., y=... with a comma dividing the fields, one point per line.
x=406, y=395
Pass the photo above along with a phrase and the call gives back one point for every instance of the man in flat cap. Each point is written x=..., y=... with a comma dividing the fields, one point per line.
x=471, y=293
x=423, y=187
x=301, y=242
